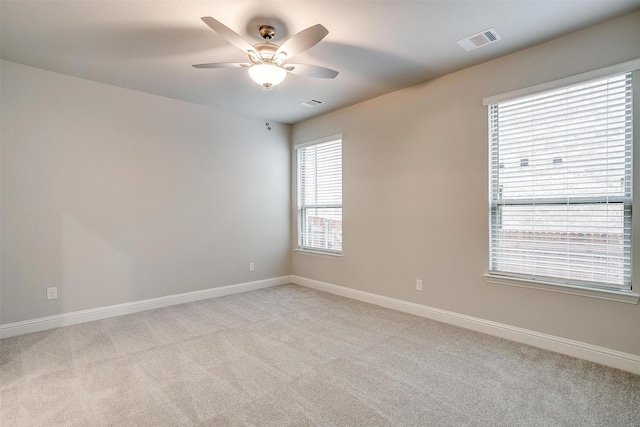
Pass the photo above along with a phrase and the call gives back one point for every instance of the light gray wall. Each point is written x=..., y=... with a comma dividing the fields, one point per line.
x=415, y=193
x=115, y=196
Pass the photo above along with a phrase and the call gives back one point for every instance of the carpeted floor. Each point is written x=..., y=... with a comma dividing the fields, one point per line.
x=292, y=356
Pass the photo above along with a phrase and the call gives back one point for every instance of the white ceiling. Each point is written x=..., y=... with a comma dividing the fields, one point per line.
x=377, y=46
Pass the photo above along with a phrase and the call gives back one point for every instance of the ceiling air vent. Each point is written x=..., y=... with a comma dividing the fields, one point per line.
x=481, y=39
x=311, y=103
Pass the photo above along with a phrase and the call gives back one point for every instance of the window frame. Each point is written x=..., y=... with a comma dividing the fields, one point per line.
x=609, y=293
x=302, y=207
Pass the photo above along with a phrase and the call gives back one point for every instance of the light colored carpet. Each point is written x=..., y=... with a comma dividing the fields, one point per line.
x=292, y=356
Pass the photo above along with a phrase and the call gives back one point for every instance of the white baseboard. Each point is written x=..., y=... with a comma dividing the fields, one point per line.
x=73, y=318
x=616, y=359
x=605, y=356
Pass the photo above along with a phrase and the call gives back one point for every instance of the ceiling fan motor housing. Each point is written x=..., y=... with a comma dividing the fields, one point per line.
x=267, y=54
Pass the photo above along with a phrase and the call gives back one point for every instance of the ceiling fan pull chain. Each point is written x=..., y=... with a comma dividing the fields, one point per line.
x=268, y=107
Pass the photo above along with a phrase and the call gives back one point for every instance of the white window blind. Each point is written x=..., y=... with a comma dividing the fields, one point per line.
x=560, y=185
x=320, y=196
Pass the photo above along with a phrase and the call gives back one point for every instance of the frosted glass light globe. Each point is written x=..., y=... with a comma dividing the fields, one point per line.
x=267, y=75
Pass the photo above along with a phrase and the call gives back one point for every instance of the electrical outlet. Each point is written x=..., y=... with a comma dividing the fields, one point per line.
x=251, y=266
x=52, y=293
x=418, y=285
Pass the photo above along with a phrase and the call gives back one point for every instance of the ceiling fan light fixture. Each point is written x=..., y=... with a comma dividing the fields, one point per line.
x=267, y=75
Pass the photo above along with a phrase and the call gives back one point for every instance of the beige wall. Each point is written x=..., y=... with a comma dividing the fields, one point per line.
x=415, y=193
x=116, y=196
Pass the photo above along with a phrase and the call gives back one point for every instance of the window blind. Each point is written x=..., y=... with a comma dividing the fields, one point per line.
x=560, y=184
x=320, y=196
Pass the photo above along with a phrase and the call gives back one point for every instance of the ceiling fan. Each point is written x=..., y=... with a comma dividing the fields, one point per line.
x=267, y=61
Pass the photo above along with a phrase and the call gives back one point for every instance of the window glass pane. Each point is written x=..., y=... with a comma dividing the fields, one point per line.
x=320, y=197
x=583, y=243
x=560, y=184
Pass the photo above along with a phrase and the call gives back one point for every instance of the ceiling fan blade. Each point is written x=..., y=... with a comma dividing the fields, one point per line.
x=230, y=35
x=223, y=65
x=303, y=40
x=311, y=71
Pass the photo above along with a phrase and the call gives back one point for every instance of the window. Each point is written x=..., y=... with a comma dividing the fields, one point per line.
x=320, y=196
x=565, y=218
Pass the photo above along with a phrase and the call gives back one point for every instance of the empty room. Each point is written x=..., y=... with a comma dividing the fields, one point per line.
x=319, y=213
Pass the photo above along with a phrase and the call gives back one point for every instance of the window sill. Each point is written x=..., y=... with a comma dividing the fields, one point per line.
x=319, y=254
x=611, y=295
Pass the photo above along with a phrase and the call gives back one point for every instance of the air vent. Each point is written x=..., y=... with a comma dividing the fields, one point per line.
x=483, y=38
x=311, y=103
